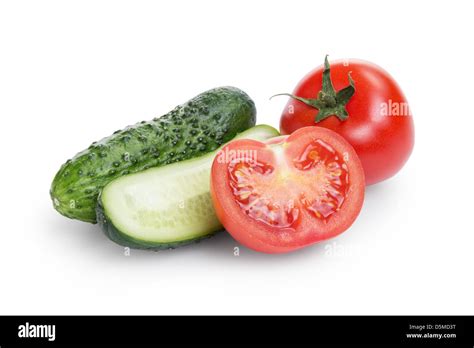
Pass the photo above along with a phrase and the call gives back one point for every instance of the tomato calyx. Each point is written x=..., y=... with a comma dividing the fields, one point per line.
x=329, y=102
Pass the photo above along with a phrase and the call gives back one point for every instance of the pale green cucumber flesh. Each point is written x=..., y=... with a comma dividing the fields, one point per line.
x=167, y=206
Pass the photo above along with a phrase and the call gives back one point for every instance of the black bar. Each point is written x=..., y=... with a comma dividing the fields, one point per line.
x=456, y=331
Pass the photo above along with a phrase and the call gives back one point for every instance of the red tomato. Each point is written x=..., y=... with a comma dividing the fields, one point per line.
x=287, y=193
x=375, y=118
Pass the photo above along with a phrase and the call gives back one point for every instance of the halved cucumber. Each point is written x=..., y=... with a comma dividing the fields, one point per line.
x=165, y=207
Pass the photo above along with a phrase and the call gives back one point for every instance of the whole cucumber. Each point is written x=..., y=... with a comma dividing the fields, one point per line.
x=192, y=129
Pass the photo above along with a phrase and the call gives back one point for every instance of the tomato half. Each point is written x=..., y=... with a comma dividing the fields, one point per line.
x=371, y=113
x=290, y=192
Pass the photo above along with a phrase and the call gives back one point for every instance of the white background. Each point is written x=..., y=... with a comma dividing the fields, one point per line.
x=72, y=72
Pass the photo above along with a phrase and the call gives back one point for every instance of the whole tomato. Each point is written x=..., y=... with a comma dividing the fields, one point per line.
x=363, y=103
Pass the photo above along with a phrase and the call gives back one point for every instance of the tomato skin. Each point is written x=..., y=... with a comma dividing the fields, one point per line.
x=308, y=230
x=383, y=142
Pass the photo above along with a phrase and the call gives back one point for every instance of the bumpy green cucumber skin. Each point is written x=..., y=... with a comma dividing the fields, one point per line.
x=197, y=127
x=115, y=234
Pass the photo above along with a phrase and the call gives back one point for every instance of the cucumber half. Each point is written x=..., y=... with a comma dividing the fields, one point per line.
x=165, y=207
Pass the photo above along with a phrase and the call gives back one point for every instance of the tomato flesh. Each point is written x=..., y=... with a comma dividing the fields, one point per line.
x=291, y=191
x=327, y=178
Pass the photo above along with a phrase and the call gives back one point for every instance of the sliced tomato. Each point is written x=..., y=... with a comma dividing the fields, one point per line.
x=290, y=192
